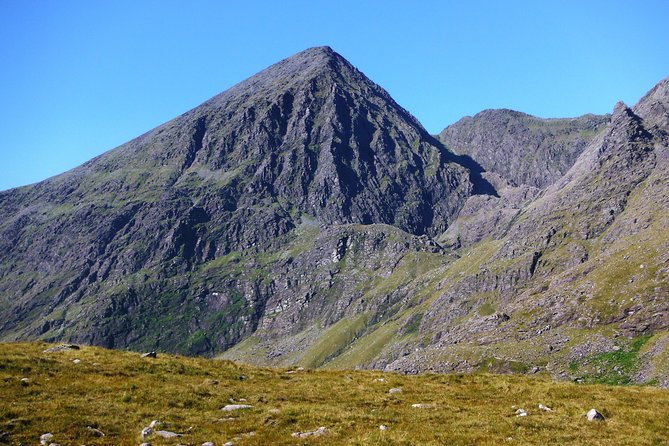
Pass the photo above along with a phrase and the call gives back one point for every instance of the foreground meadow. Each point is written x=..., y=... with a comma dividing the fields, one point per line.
x=95, y=396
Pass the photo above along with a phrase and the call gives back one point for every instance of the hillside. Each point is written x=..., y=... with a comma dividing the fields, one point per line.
x=304, y=218
x=80, y=395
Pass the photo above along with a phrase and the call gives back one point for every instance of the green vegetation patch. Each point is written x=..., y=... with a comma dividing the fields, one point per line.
x=334, y=339
x=614, y=367
x=498, y=365
x=366, y=348
x=486, y=309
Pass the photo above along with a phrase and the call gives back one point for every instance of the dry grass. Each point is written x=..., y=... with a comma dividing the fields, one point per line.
x=120, y=393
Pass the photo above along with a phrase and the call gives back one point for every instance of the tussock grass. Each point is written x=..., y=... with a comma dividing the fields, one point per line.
x=120, y=393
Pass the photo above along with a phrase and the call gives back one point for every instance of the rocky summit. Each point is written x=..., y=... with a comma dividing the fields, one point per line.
x=303, y=217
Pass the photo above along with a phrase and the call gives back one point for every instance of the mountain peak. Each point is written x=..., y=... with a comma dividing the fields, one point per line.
x=298, y=69
x=314, y=57
x=318, y=50
x=653, y=107
x=619, y=108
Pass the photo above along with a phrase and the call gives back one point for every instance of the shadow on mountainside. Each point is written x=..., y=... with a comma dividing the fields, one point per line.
x=481, y=185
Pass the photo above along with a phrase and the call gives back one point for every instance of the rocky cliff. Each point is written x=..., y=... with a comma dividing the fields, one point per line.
x=523, y=149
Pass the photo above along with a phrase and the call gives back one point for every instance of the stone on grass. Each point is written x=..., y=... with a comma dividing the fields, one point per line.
x=25, y=382
x=231, y=407
x=150, y=355
x=146, y=432
x=379, y=380
x=61, y=348
x=154, y=424
x=423, y=406
x=95, y=431
x=545, y=408
x=593, y=415
x=395, y=390
x=383, y=427
x=316, y=433
x=44, y=438
x=168, y=434
x=76, y=361
x=229, y=443
x=145, y=444
x=208, y=443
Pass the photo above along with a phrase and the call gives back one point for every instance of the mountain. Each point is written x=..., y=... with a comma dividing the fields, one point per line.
x=303, y=217
x=523, y=149
x=149, y=244
x=568, y=280
x=577, y=283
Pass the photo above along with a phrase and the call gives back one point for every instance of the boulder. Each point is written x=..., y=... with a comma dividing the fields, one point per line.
x=168, y=434
x=231, y=407
x=423, y=406
x=316, y=433
x=61, y=348
x=95, y=431
x=594, y=415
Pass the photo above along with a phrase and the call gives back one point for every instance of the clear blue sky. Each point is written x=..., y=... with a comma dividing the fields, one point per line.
x=81, y=77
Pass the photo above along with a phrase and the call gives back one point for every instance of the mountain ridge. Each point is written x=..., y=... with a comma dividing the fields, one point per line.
x=304, y=217
x=500, y=139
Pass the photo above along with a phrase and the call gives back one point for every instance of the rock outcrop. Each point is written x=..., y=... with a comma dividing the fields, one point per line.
x=523, y=149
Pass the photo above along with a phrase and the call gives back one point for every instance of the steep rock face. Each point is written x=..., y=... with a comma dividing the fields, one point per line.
x=123, y=245
x=523, y=149
x=484, y=216
x=578, y=273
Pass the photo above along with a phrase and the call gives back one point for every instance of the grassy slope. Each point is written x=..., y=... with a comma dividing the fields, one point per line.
x=119, y=393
